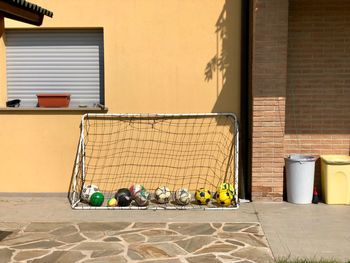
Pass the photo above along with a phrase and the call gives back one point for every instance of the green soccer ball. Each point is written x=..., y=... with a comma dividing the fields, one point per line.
x=97, y=199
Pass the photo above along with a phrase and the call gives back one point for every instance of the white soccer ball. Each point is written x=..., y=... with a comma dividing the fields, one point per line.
x=162, y=194
x=182, y=196
x=88, y=191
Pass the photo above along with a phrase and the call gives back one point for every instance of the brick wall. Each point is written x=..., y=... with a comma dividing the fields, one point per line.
x=318, y=89
x=268, y=83
x=300, y=83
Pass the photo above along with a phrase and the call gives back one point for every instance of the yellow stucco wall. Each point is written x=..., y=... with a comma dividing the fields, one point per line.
x=156, y=53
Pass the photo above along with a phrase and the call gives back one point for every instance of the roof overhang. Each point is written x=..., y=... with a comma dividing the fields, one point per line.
x=23, y=11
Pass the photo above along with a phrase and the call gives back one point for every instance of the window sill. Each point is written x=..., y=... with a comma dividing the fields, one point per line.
x=36, y=110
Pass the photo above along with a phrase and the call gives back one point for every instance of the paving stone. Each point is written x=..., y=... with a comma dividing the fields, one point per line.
x=111, y=233
x=98, y=246
x=94, y=235
x=75, y=238
x=253, y=230
x=30, y=254
x=112, y=259
x=105, y=253
x=234, y=242
x=25, y=238
x=67, y=247
x=245, y=238
x=203, y=258
x=149, y=225
x=4, y=234
x=116, y=233
x=11, y=226
x=236, y=227
x=161, y=235
x=149, y=251
x=217, y=225
x=192, y=229
x=111, y=239
x=134, y=254
x=92, y=226
x=228, y=258
x=66, y=230
x=43, y=226
x=5, y=255
x=194, y=243
x=257, y=254
x=132, y=238
x=44, y=244
x=154, y=239
x=156, y=232
x=60, y=257
x=217, y=248
x=167, y=261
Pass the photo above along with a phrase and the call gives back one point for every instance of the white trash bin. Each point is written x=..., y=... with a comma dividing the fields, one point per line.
x=300, y=172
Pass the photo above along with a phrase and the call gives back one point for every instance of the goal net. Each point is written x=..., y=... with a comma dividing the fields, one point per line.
x=174, y=150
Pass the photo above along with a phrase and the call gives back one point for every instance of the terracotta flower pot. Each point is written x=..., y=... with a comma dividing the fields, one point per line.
x=53, y=100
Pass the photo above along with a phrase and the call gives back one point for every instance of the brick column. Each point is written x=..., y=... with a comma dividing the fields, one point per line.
x=268, y=82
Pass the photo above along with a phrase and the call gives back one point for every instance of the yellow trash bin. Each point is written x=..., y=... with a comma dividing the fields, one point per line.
x=335, y=176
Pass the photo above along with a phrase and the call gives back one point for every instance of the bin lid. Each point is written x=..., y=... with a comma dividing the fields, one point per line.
x=301, y=158
x=336, y=159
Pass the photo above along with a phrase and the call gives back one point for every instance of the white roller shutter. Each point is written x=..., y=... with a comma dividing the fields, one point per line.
x=55, y=61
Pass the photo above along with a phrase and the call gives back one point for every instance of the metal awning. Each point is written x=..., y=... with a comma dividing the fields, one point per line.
x=23, y=11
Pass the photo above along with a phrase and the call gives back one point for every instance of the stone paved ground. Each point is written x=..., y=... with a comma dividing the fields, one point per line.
x=133, y=242
x=295, y=231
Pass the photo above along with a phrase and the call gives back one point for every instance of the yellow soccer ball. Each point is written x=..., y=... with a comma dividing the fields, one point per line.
x=202, y=196
x=226, y=186
x=112, y=202
x=224, y=197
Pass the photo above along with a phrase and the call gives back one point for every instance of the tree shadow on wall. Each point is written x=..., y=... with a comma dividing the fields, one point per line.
x=220, y=68
x=223, y=70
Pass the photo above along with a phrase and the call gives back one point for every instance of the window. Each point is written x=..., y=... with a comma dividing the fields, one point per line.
x=55, y=61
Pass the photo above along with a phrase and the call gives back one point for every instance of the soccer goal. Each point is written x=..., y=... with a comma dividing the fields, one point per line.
x=189, y=151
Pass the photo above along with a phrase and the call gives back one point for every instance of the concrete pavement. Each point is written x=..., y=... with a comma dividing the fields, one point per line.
x=312, y=231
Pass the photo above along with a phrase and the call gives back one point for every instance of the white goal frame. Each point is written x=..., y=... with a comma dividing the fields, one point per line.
x=74, y=193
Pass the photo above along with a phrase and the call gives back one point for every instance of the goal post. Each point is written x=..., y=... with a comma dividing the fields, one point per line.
x=196, y=150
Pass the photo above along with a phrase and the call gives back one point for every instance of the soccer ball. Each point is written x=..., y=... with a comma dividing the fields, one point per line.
x=136, y=188
x=182, y=196
x=224, y=197
x=141, y=197
x=112, y=202
x=88, y=191
x=202, y=196
x=226, y=186
x=162, y=194
x=140, y=194
x=123, y=197
x=97, y=199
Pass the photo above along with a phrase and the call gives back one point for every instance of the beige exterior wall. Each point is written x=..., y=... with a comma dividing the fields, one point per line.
x=156, y=53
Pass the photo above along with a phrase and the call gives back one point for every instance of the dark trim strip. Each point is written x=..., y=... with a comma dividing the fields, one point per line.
x=245, y=134
x=30, y=6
